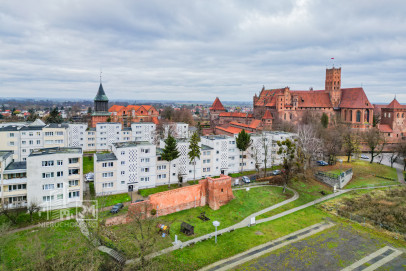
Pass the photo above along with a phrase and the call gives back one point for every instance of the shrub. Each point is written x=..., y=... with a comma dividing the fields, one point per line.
x=153, y=212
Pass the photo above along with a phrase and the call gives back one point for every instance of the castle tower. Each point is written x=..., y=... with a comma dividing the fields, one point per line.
x=333, y=85
x=101, y=107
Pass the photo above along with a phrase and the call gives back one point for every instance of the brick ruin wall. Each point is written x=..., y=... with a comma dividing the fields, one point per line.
x=214, y=192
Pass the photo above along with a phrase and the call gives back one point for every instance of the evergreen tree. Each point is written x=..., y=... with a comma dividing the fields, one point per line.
x=324, y=120
x=54, y=116
x=243, y=141
x=89, y=110
x=199, y=129
x=170, y=152
x=194, y=151
x=33, y=116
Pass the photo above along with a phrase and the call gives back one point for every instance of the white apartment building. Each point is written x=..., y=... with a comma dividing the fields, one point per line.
x=56, y=135
x=77, y=135
x=54, y=178
x=130, y=166
x=106, y=134
x=143, y=131
x=177, y=129
x=13, y=176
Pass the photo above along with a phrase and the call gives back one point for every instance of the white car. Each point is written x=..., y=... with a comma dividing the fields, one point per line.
x=363, y=156
x=245, y=179
x=89, y=177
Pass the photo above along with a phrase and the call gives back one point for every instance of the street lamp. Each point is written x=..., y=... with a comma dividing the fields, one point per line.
x=216, y=224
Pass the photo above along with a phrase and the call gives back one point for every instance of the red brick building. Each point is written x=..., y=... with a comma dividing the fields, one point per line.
x=133, y=113
x=393, y=120
x=349, y=105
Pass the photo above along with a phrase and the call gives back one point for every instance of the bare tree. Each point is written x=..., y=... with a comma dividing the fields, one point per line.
x=333, y=143
x=267, y=147
x=375, y=142
x=351, y=143
x=310, y=145
x=12, y=214
x=32, y=208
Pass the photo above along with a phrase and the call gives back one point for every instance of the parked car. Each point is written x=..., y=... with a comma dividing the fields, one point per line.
x=322, y=163
x=89, y=177
x=364, y=156
x=245, y=179
x=276, y=172
x=116, y=208
x=236, y=182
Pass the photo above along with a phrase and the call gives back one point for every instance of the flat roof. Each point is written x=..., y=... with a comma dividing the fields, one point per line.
x=17, y=165
x=205, y=147
x=46, y=151
x=57, y=125
x=216, y=137
x=105, y=157
x=5, y=154
x=128, y=144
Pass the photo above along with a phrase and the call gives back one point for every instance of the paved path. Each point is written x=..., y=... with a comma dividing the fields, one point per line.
x=267, y=247
x=401, y=177
x=375, y=260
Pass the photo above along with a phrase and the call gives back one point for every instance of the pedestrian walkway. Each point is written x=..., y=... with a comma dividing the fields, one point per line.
x=401, y=177
x=375, y=260
x=267, y=247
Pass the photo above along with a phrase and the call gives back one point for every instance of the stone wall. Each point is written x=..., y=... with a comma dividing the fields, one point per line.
x=214, y=192
x=334, y=179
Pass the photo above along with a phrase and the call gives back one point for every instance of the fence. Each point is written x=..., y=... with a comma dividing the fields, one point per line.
x=338, y=180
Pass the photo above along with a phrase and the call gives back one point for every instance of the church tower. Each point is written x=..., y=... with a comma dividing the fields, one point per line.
x=101, y=107
x=333, y=85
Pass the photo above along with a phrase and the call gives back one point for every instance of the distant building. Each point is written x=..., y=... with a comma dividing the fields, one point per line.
x=101, y=107
x=392, y=121
x=126, y=115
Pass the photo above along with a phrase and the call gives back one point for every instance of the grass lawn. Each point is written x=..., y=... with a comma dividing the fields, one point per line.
x=235, y=175
x=308, y=190
x=229, y=244
x=88, y=165
x=23, y=219
x=365, y=173
x=244, y=204
x=104, y=201
x=149, y=191
x=91, y=189
x=61, y=247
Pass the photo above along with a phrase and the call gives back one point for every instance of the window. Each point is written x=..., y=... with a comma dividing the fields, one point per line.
x=59, y=173
x=73, y=160
x=73, y=171
x=145, y=150
x=49, y=133
x=107, y=164
x=122, y=172
x=60, y=196
x=11, y=143
x=59, y=133
x=145, y=179
x=23, y=142
x=59, y=162
x=122, y=182
x=47, y=198
x=74, y=194
x=47, y=163
x=358, y=117
x=17, y=187
x=123, y=153
x=11, y=135
x=107, y=174
x=47, y=175
x=48, y=186
x=24, y=150
x=38, y=142
x=146, y=169
x=73, y=183
x=122, y=162
x=31, y=134
x=59, y=185
x=108, y=185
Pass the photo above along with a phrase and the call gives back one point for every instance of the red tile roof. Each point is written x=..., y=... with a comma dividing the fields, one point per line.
x=385, y=128
x=395, y=105
x=354, y=98
x=217, y=105
x=253, y=125
x=307, y=98
x=155, y=120
x=139, y=109
x=235, y=114
x=115, y=108
x=231, y=130
x=267, y=115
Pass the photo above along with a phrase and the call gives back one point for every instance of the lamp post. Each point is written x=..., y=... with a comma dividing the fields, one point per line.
x=216, y=224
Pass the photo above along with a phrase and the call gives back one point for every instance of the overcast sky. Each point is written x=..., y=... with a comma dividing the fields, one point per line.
x=197, y=50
